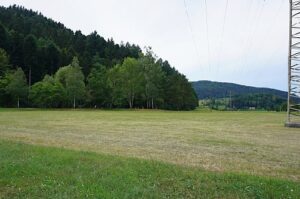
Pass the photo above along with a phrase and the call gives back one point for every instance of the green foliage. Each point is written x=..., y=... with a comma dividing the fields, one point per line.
x=142, y=83
x=98, y=86
x=179, y=94
x=26, y=172
x=17, y=86
x=216, y=95
x=15, y=49
x=75, y=86
x=24, y=28
x=30, y=58
x=259, y=101
x=5, y=97
x=131, y=79
x=61, y=75
x=245, y=102
x=52, y=57
x=72, y=79
x=4, y=62
x=153, y=80
x=114, y=80
x=3, y=37
x=48, y=93
x=116, y=74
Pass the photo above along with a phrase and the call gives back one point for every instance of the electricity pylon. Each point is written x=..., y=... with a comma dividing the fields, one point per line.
x=293, y=104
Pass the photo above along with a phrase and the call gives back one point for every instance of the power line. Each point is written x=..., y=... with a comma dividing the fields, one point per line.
x=274, y=20
x=249, y=37
x=191, y=29
x=208, y=45
x=222, y=35
x=256, y=25
x=247, y=27
x=271, y=28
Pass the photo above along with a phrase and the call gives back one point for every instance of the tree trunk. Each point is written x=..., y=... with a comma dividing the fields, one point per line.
x=74, y=103
x=130, y=105
x=29, y=77
x=18, y=102
x=152, y=103
x=132, y=101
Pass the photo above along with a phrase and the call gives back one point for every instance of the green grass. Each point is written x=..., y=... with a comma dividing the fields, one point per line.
x=147, y=154
x=240, y=142
x=28, y=171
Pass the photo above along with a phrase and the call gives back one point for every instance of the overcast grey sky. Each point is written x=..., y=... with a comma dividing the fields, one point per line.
x=249, y=48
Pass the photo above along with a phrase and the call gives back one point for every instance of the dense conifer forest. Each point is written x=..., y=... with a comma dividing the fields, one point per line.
x=44, y=64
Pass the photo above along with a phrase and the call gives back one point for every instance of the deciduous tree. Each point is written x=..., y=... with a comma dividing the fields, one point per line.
x=75, y=85
x=17, y=86
x=47, y=93
x=132, y=78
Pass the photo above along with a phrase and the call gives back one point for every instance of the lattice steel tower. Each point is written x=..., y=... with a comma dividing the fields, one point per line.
x=293, y=105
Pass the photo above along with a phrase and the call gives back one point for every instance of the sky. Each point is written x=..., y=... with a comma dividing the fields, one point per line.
x=247, y=43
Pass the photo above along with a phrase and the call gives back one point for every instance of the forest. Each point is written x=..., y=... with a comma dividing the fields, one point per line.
x=46, y=65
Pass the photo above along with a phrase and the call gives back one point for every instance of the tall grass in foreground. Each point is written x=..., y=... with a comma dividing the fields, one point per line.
x=28, y=171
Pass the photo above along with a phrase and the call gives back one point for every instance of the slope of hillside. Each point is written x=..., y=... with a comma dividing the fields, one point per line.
x=210, y=89
x=25, y=34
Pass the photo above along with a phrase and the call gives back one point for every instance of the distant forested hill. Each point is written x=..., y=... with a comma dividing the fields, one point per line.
x=210, y=89
x=44, y=64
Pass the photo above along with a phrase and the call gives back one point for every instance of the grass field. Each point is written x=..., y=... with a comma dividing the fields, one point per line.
x=42, y=172
x=214, y=154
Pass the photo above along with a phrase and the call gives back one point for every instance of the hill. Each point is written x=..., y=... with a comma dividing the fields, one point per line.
x=60, y=67
x=209, y=89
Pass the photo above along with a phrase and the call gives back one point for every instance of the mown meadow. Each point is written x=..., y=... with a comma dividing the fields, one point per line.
x=147, y=154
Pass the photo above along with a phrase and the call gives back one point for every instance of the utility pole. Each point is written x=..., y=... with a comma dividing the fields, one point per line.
x=293, y=102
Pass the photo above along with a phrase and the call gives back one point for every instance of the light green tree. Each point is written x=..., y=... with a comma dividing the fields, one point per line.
x=72, y=79
x=75, y=85
x=61, y=75
x=153, y=78
x=132, y=79
x=17, y=86
x=47, y=93
x=114, y=84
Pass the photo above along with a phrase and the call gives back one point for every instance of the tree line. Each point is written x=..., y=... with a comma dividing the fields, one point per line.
x=260, y=101
x=44, y=64
x=136, y=83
